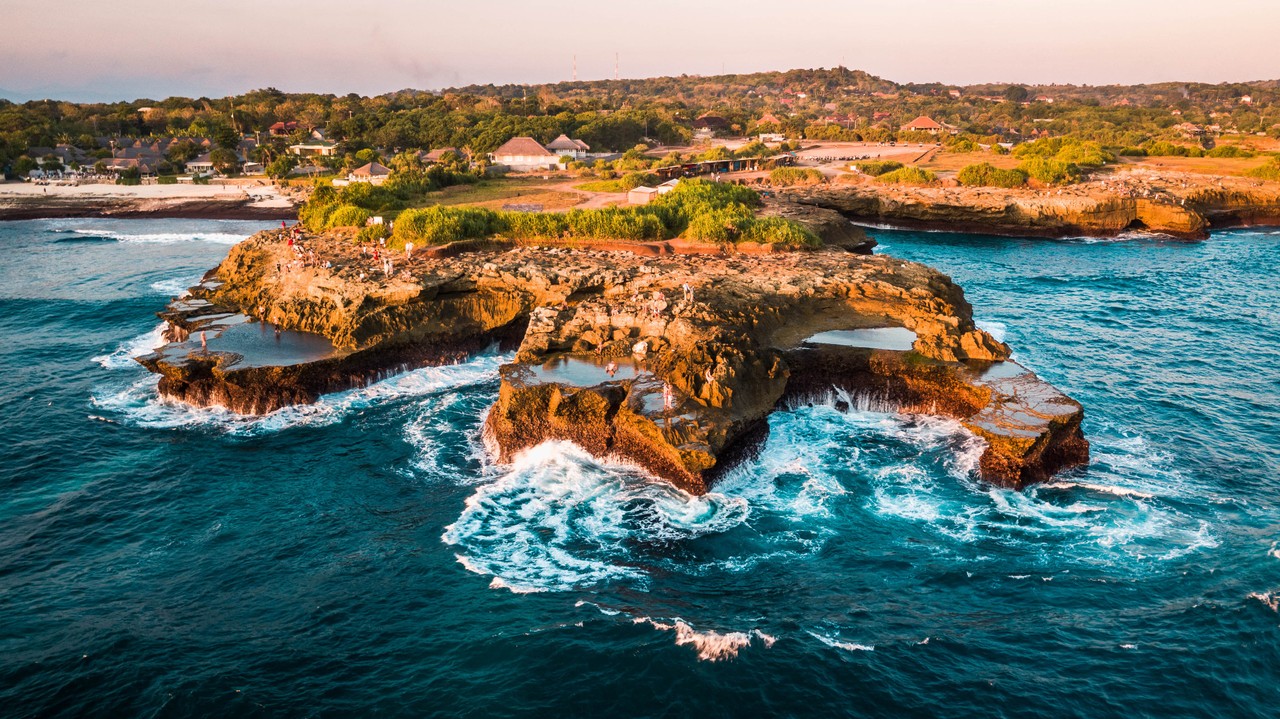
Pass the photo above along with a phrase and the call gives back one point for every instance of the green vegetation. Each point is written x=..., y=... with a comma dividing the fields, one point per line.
x=791, y=176
x=697, y=210
x=1168, y=149
x=1060, y=160
x=629, y=181
x=1269, y=171
x=876, y=168
x=987, y=175
x=909, y=175
x=1230, y=151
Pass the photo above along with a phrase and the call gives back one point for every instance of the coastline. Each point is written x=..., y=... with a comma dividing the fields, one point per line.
x=251, y=200
x=1176, y=205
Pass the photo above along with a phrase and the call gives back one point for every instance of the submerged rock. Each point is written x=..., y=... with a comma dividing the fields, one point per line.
x=671, y=361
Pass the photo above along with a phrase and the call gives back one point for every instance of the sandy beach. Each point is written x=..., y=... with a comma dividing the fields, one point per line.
x=247, y=199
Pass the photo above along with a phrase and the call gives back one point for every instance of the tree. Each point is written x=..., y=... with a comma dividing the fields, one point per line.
x=23, y=165
x=280, y=167
x=225, y=161
x=1016, y=93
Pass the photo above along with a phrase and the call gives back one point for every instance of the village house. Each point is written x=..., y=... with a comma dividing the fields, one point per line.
x=314, y=148
x=564, y=147
x=927, y=124
x=281, y=129
x=201, y=165
x=524, y=154
x=436, y=156
x=375, y=173
x=642, y=195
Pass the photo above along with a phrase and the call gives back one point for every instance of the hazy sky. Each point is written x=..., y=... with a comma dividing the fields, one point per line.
x=126, y=49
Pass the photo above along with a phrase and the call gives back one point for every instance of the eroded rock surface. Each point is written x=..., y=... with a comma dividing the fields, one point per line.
x=1180, y=205
x=703, y=346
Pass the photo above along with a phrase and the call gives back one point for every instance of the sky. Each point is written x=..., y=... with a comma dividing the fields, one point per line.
x=97, y=50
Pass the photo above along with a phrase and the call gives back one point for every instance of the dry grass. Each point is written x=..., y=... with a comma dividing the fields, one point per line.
x=954, y=162
x=496, y=193
x=1201, y=165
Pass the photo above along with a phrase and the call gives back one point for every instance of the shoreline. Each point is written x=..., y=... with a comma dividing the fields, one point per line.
x=250, y=200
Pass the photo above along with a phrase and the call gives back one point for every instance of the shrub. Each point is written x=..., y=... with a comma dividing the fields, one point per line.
x=963, y=146
x=347, y=216
x=373, y=233
x=166, y=180
x=721, y=226
x=987, y=175
x=875, y=168
x=796, y=176
x=1160, y=148
x=1230, y=151
x=1132, y=152
x=1269, y=171
x=442, y=225
x=779, y=231
x=1050, y=171
x=1068, y=150
x=907, y=176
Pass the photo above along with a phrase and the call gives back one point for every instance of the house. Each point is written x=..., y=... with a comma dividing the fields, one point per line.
x=525, y=154
x=668, y=186
x=771, y=137
x=923, y=124
x=642, y=195
x=374, y=173
x=1045, y=99
x=1189, y=129
x=281, y=129
x=564, y=147
x=715, y=123
x=252, y=168
x=201, y=165
x=1246, y=100
x=437, y=155
x=953, y=93
x=769, y=119
x=314, y=148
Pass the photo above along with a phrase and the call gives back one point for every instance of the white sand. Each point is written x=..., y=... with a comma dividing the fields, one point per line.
x=265, y=195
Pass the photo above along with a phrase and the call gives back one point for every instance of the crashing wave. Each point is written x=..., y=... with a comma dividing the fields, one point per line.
x=165, y=238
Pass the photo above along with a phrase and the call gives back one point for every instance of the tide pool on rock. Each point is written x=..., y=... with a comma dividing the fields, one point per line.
x=364, y=554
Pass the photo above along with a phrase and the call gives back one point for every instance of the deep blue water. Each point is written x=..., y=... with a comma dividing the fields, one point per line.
x=363, y=556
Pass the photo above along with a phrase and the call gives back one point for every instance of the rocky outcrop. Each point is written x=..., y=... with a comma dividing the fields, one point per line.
x=702, y=346
x=1179, y=206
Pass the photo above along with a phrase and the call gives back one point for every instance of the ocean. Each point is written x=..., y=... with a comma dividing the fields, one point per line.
x=364, y=556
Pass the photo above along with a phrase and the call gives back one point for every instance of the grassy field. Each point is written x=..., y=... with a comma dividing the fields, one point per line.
x=496, y=193
x=945, y=162
x=1201, y=165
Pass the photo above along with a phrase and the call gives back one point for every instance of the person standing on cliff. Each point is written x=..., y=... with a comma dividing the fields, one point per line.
x=408, y=250
x=204, y=343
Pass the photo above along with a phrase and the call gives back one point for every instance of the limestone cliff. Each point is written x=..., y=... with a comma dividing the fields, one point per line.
x=703, y=346
x=1177, y=205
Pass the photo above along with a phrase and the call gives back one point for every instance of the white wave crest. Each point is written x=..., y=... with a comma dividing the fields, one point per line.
x=847, y=646
x=141, y=405
x=164, y=238
x=1270, y=599
x=1274, y=551
x=997, y=330
x=175, y=287
x=122, y=358
x=558, y=519
x=711, y=646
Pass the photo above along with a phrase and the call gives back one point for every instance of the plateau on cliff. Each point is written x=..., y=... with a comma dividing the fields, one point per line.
x=663, y=354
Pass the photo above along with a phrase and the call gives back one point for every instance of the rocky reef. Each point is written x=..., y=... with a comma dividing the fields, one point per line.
x=1174, y=204
x=667, y=356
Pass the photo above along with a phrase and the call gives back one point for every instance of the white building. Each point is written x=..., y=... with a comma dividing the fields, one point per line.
x=564, y=146
x=525, y=154
x=374, y=173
